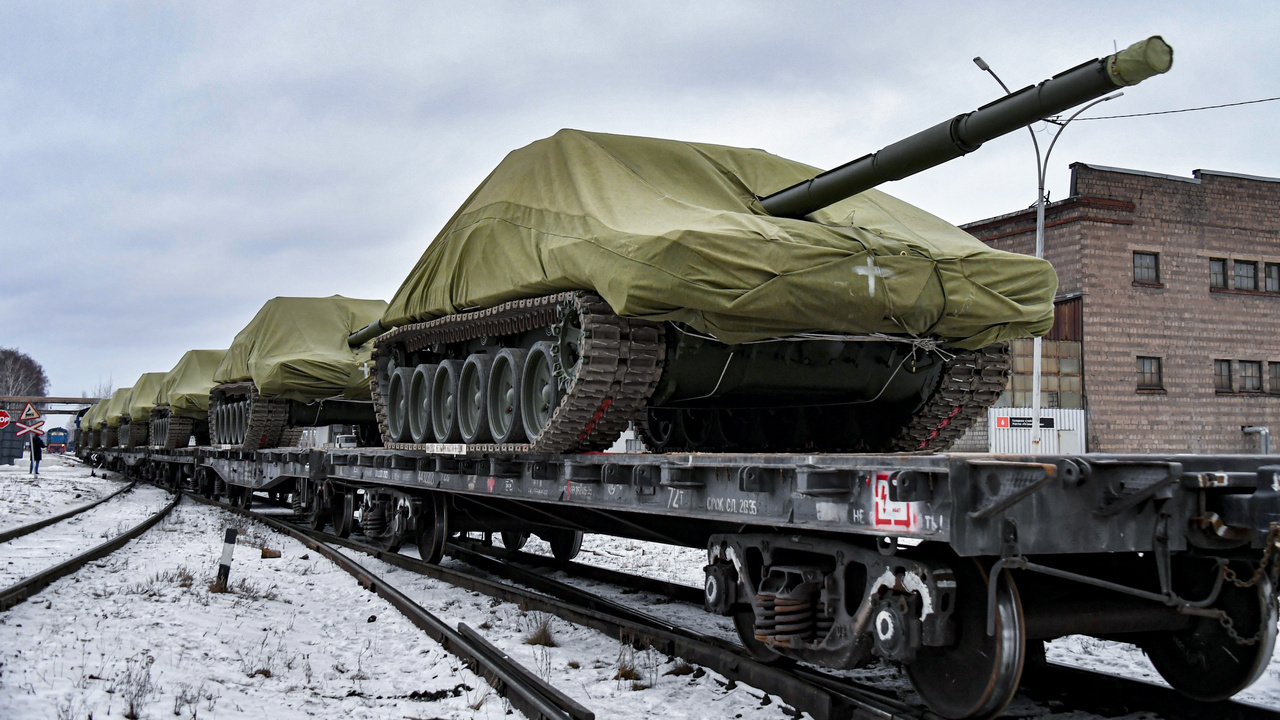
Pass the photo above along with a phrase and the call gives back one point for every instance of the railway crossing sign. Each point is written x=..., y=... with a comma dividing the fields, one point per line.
x=4, y=419
x=29, y=422
x=30, y=428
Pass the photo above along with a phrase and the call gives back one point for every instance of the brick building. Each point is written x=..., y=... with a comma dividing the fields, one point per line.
x=1170, y=289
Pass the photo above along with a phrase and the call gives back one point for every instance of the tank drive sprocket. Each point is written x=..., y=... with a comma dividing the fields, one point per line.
x=260, y=421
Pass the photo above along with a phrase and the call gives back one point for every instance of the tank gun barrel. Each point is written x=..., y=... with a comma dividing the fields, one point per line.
x=366, y=333
x=965, y=133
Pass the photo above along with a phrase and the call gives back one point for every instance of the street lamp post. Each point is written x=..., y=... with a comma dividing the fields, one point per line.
x=1041, y=165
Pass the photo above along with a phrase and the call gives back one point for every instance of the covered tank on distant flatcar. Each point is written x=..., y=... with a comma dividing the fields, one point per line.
x=112, y=415
x=184, y=409
x=291, y=367
x=135, y=421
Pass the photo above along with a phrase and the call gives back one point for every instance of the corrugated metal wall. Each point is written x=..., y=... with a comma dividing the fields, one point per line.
x=1005, y=437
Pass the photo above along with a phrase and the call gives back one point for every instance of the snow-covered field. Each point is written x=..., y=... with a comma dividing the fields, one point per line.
x=139, y=633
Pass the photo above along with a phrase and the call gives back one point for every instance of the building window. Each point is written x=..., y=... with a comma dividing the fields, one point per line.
x=1273, y=379
x=1146, y=268
x=1246, y=275
x=1273, y=278
x=1222, y=375
x=1250, y=376
x=1217, y=273
x=1149, y=375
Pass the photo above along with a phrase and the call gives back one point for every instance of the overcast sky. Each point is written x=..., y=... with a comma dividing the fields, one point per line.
x=166, y=168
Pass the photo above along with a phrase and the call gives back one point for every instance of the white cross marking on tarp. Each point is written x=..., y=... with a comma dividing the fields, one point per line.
x=871, y=271
x=30, y=428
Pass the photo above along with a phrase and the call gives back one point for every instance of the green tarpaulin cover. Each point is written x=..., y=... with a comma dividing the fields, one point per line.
x=187, y=385
x=87, y=420
x=296, y=348
x=669, y=230
x=116, y=407
x=146, y=395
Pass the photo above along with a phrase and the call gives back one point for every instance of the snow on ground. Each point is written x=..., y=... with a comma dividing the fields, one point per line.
x=63, y=484
x=299, y=638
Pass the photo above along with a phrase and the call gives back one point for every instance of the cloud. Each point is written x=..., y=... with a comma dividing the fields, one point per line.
x=167, y=169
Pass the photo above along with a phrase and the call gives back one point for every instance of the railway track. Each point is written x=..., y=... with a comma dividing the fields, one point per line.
x=1057, y=685
x=35, y=582
x=520, y=686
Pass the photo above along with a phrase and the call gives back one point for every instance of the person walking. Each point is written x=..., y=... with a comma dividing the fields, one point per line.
x=37, y=447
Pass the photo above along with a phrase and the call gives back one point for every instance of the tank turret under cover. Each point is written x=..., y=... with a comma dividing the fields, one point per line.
x=117, y=406
x=89, y=420
x=668, y=230
x=187, y=386
x=147, y=393
x=296, y=348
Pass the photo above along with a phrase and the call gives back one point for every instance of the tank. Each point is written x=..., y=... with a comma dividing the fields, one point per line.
x=290, y=368
x=718, y=298
x=135, y=419
x=182, y=409
x=112, y=415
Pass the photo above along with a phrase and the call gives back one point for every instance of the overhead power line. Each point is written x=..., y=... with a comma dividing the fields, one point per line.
x=1170, y=112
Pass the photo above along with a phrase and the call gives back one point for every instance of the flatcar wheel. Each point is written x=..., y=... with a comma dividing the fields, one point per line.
x=565, y=544
x=978, y=674
x=343, y=513
x=1203, y=661
x=514, y=540
x=317, y=512
x=433, y=528
x=420, y=403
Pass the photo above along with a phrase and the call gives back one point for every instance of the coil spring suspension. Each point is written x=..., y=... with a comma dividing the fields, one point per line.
x=373, y=521
x=787, y=608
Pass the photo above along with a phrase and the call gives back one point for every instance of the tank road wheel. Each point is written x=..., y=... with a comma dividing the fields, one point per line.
x=565, y=544
x=513, y=541
x=444, y=402
x=978, y=674
x=659, y=430
x=398, y=404
x=343, y=512
x=473, y=406
x=539, y=393
x=420, y=403
x=503, y=396
x=433, y=527
x=1204, y=661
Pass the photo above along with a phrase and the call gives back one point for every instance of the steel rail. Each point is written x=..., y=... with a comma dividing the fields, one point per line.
x=1077, y=688
x=524, y=690
x=19, y=592
x=833, y=700
x=18, y=532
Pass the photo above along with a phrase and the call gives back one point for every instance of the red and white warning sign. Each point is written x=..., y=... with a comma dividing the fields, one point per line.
x=29, y=422
x=4, y=419
x=30, y=427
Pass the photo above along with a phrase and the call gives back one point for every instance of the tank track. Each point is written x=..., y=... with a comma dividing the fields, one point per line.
x=177, y=433
x=135, y=435
x=110, y=437
x=971, y=382
x=267, y=416
x=621, y=361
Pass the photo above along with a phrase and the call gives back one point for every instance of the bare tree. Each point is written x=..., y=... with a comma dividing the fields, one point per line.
x=103, y=389
x=20, y=374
